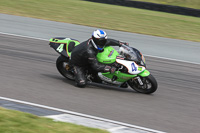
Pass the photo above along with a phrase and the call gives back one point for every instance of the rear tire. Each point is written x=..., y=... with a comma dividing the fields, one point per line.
x=62, y=64
x=149, y=85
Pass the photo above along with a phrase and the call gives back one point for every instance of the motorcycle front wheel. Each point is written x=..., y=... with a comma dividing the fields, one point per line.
x=149, y=84
x=62, y=64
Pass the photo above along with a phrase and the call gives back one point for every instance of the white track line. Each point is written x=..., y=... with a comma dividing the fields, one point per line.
x=173, y=59
x=24, y=36
x=82, y=115
x=144, y=54
x=116, y=128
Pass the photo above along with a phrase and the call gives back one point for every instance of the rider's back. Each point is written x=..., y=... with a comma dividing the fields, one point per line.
x=80, y=54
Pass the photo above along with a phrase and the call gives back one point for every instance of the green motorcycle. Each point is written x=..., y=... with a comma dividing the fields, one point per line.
x=131, y=66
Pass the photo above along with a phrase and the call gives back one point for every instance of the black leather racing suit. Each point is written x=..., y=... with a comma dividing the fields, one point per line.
x=84, y=56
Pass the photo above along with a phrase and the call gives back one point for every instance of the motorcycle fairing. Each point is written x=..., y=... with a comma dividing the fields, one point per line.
x=132, y=67
x=108, y=78
x=145, y=73
x=119, y=77
x=64, y=46
x=108, y=56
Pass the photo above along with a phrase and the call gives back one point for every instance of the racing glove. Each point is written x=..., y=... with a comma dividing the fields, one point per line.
x=123, y=43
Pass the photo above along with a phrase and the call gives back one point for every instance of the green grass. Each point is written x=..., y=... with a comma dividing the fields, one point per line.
x=107, y=16
x=184, y=3
x=18, y=122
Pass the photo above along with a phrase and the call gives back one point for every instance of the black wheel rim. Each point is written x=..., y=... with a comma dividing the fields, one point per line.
x=145, y=88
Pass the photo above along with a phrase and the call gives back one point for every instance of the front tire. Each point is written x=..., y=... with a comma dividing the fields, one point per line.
x=62, y=64
x=149, y=85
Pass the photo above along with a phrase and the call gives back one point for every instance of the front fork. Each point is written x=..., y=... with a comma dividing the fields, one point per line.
x=145, y=73
x=139, y=80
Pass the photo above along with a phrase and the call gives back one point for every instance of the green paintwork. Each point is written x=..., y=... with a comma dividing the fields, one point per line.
x=121, y=77
x=65, y=41
x=145, y=73
x=108, y=56
x=139, y=68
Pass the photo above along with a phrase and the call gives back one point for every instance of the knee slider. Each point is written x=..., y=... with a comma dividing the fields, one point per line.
x=81, y=83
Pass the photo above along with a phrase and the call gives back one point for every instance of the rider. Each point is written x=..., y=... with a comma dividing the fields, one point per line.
x=84, y=55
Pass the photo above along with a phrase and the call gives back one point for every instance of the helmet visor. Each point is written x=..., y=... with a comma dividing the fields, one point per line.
x=101, y=42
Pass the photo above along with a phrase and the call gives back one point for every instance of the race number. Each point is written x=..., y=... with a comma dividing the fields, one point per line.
x=60, y=48
x=134, y=68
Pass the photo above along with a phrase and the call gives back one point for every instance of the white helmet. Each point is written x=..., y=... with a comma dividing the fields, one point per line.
x=99, y=38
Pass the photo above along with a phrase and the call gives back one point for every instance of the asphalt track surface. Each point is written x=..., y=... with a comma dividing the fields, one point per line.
x=28, y=73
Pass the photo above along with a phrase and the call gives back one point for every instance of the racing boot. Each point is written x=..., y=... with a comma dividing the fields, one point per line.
x=80, y=78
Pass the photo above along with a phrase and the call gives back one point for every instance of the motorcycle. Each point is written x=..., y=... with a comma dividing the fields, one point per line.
x=131, y=66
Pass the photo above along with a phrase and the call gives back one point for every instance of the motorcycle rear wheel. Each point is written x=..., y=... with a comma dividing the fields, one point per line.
x=62, y=64
x=149, y=85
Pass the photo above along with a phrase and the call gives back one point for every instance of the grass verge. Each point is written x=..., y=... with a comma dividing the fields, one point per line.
x=12, y=121
x=107, y=16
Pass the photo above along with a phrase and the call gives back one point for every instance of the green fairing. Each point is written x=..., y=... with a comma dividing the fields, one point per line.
x=108, y=56
x=121, y=77
x=145, y=73
x=65, y=41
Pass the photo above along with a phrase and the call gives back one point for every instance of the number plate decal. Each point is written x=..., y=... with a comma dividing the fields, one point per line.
x=134, y=68
x=60, y=48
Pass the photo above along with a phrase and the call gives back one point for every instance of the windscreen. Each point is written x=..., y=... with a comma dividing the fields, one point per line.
x=128, y=53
